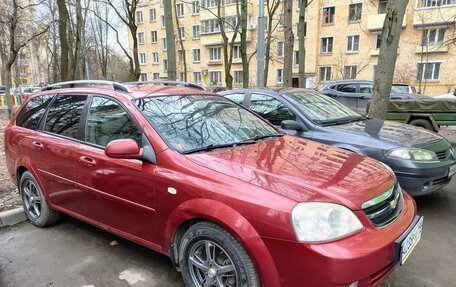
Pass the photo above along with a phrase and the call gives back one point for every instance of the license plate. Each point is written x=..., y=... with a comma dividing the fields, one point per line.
x=407, y=242
x=452, y=170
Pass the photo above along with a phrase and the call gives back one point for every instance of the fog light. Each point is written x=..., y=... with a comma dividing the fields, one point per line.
x=354, y=284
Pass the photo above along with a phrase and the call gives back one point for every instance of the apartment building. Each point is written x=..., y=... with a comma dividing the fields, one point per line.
x=342, y=41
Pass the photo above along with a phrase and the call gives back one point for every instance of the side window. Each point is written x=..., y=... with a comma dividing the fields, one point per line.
x=31, y=114
x=64, y=115
x=108, y=121
x=366, y=88
x=237, y=98
x=271, y=109
x=347, y=88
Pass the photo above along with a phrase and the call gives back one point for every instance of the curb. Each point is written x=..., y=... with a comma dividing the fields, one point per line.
x=12, y=217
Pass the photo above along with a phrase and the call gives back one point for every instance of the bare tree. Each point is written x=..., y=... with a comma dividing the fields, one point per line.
x=272, y=7
x=170, y=42
x=387, y=59
x=288, y=43
x=18, y=28
x=303, y=4
x=181, y=42
x=244, y=56
x=64, y=20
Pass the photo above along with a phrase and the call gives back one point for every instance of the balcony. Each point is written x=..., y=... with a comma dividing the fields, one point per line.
x=375, y=22
x=434, y=15
x=226, y=10
x=213, y=39
x=431, y=49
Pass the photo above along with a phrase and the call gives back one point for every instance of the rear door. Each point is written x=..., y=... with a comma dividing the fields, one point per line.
x=365, y=92
x=118, y=193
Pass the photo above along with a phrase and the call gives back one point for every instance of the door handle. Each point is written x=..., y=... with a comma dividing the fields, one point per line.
x=37, y=145
x=87, y=161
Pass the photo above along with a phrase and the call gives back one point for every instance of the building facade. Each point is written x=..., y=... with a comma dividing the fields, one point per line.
x=342, y=40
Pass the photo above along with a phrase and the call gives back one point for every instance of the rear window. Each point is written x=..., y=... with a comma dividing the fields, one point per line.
x=65, y=114
x=31, y=114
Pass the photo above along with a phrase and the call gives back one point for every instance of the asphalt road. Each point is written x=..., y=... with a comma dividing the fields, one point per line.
x=73, y=253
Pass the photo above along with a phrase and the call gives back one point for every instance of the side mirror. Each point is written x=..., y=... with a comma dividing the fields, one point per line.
x=293, y=126
x=124, y=148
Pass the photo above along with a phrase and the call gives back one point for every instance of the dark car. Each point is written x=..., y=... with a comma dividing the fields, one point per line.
x=196, y=177
x=2, y=90
x=422, y=160
x=355, y=94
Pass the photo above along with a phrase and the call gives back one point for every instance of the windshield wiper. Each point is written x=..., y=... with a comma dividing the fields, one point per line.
x=217, y=146
x=261, y=137
x=341, y=121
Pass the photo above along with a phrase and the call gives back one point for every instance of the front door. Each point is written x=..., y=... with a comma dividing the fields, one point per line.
x=118, y=193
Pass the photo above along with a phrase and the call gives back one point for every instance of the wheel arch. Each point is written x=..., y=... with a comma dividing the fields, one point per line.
x=427, y=117
x=198, y=210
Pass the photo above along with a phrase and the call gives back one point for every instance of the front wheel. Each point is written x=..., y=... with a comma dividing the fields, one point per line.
x=210, y=256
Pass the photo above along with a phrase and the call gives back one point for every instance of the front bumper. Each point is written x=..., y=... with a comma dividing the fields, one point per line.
x=365, y=257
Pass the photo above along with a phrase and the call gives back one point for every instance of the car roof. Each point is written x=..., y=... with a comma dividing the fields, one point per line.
x=278, y=91
x=348, y=82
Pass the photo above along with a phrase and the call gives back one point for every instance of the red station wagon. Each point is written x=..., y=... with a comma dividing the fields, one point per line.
x=230, y=199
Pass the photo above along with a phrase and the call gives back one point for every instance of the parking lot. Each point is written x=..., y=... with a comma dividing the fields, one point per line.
x=73, y=253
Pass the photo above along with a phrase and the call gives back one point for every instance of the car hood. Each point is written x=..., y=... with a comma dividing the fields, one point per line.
x=391, y=132
x=302, y=170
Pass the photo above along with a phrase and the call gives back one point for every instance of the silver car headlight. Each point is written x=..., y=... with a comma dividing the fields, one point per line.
x=415, y=154
x=322, y=222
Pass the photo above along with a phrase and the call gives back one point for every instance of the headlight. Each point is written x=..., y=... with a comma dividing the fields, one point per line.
x=320, y=222
x=413, y=154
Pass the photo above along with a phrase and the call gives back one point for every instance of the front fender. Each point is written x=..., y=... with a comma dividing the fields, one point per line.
x=233, y=222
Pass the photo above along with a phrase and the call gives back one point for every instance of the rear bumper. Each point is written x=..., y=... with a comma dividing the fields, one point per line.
x=365, y=257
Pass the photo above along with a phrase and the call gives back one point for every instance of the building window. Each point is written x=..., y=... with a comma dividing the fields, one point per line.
x=197, y=77
x=156, y=76
x=165, y=65
x=436, y=3
x=152, y=15
x=280, y=49
x=378, y=40
x=195, y=31
x=181, y=33
x=141, y=38
x=154, y=58
x=215, y=54
x=382, y=6
x=355, y=11
x=210, y=3
x=181, y=56
x=296, y=58
x=281, y=21
x=182, y=77
x=215, y=77
x=210, y=26
x=180, y=10
x=163, y=22
x=279, y=78
x=433, y=36
x=153, y=37
x=428, y=71
x=298, y=31
x=165, y=44
x=325, y=74
x=143, y=77
x=238, y=77
x=328, y=15
x=139, y=17
x=326, y=45
x=231, y=23
x=350, y=72
x=236, y=52
x=195, y=7
x=353, y=43
x=196, y=55
x=142, y=58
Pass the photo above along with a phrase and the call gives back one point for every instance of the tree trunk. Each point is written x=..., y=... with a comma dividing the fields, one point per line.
x=244, y=56
x=289, y=42
x=64, y=49
x=387, y=59
x=267, y=54
x=171, y=43
x=302, y=43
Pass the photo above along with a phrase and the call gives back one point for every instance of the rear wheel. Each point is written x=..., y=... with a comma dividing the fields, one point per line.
x=210, y=256
x=423, y=123
x=34, y=202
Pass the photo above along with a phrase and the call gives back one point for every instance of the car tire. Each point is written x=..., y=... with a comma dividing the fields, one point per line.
x=34, y=202
x=423, y=123
x=229, y=265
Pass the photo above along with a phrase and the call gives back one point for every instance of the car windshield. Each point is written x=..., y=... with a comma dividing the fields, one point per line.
x=202, y=122
x=321, y=109
x=400, y=89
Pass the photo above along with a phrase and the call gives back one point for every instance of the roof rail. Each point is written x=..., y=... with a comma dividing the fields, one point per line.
x=167, y=83
x=71, y=84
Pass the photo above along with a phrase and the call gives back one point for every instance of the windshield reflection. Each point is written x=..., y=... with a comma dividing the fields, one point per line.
x=193, y=122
